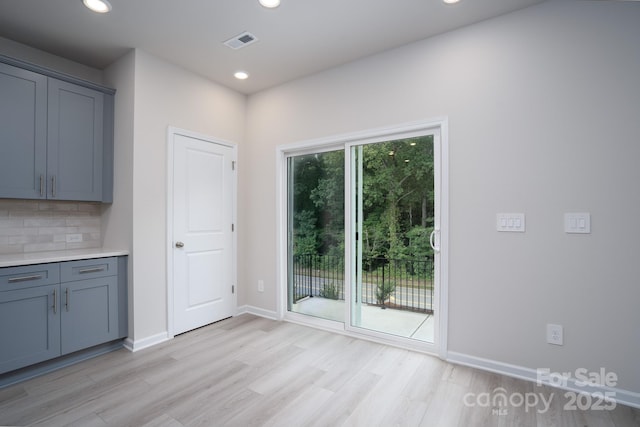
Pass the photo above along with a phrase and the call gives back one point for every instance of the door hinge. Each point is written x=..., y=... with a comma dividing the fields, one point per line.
x=233, y=289
x=233, y=165
x=233, y=228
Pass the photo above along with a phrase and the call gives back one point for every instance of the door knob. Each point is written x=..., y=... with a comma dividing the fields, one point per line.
x=179, y=245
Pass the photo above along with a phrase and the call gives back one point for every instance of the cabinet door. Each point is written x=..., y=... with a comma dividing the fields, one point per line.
x=23, y=133
x=75, y=142
x=29, y=326
x=89, y=313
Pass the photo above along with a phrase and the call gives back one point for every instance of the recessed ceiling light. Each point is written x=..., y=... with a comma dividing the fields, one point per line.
x=241, y=75
x=451, y=1
x=100, y=6
x=270, y=3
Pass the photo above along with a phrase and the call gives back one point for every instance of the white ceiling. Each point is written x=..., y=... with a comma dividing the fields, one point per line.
x=299, y=38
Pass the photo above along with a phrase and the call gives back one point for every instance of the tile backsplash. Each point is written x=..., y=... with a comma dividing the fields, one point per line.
x=35, y=226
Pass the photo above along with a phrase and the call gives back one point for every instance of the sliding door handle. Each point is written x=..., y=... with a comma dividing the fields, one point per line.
x=432, y=240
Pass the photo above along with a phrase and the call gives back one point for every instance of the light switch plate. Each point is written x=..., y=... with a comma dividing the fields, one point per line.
x=510, y=222
x=577, y=222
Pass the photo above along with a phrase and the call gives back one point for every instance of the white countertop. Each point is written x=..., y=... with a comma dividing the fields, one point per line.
x=13, y=260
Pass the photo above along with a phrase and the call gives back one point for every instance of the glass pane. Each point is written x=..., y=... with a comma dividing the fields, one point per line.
x=392, y=222
x=316, y=235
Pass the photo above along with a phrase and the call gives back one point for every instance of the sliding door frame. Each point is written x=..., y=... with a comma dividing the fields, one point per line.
x=283, y=153
x=439, y=128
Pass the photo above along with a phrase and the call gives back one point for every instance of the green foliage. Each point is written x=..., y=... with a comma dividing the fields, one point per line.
x=330, y=291
x=306, y=233
x=398, y=196
x=318, y=202
x=420, y=249
x=398, y=200
x=419, y=245
x=384, y=291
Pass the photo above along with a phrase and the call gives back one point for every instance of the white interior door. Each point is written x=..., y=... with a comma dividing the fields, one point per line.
x=202, y=244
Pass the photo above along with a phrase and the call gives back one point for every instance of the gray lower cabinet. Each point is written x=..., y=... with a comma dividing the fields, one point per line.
x=56, y=138
x=49, y=310
x=90, y=313
x=29, y=327
x=89, y=306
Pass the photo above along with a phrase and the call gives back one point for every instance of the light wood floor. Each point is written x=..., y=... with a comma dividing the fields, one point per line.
x=249, y=371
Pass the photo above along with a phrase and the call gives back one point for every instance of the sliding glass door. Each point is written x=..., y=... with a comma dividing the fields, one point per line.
x=392, y=218
x=363, y=222
x=315, y=226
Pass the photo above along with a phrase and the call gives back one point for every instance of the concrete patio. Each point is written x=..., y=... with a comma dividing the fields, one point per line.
x=408, y=324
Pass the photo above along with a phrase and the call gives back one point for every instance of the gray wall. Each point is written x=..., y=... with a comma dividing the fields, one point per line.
x=35, y=56
x=152, y=95
x=543, y=107
x=157, y=95
x=117, y=218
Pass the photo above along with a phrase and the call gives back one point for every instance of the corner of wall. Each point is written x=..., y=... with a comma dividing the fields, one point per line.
x=35, y=56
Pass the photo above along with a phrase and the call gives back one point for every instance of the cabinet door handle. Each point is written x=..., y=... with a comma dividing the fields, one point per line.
x=55, y=301
x=91, y=270
x=53, y=186
x=41, y=185
x=67, y=300
x=24, y=278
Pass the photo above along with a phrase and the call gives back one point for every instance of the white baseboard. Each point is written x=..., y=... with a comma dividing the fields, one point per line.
x=143, y=343
x=257, y=311
x=147, y=342
x=624, y=397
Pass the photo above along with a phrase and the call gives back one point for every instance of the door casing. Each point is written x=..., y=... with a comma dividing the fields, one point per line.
x=171, y=132
x=441, y=181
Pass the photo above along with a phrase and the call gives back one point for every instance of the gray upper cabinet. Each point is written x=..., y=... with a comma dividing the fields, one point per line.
x=56, y=136
x=23, y=133
x=74, y=143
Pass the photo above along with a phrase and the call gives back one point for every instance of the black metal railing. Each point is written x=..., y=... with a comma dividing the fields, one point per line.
x=318, y=275
x=405, y=284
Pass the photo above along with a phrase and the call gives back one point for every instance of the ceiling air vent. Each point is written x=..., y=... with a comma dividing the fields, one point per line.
x=241, y=40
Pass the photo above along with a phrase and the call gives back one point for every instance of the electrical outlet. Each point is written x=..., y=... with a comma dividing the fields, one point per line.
x=74, y=238
x=554, y=334
x=260, y=285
